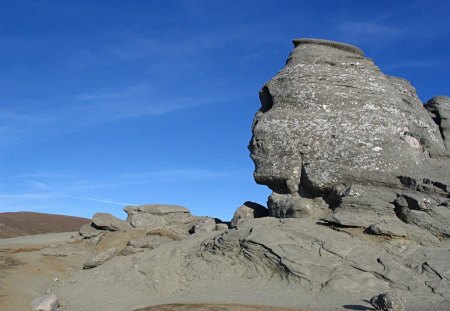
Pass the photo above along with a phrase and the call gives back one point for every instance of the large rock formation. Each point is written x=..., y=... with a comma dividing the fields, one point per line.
x=337, y=139
x=360, y=176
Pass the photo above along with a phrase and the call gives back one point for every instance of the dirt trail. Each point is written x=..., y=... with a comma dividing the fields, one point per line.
x=215, y=307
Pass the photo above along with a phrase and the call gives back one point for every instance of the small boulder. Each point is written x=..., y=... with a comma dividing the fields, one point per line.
x=98, y=259
x=248, y=210
x=221, y=226
x=390, y=301
x=45, y=303
x=106, y=221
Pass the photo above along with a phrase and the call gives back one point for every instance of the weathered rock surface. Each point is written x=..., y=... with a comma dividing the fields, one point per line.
x=320, y=264
x=88, y=231
x=336, y=139
x=45, y=303
x=246, y=211
x=146, y=221
x=151, y=241
x=98, y=259
x=129, y=250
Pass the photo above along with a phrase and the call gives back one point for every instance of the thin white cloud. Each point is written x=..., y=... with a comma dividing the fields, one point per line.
x=86, y=110
x=422, y=64
x=69, y=182
x=95, y=200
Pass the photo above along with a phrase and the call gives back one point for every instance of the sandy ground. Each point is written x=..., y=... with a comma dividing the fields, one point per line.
x=26, y=274
x=214, y=307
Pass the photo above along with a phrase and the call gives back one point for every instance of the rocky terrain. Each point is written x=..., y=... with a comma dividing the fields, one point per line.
x=15, y=224
x=360, y=174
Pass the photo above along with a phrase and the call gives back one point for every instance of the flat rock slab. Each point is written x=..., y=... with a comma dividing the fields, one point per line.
x=157, y=209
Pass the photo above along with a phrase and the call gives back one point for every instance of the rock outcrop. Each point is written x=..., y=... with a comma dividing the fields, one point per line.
x=338, y=140
x=150, y=217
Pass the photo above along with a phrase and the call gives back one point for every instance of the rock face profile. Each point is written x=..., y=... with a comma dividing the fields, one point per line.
x=338, y=140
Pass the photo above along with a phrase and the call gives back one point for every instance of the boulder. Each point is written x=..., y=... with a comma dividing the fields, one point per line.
x=390, y=301
x=246, y=211
x=336, y=139
x=45, y=303
x=106, y=221
x=157, y=216
x=202, y=224
x=100, y=258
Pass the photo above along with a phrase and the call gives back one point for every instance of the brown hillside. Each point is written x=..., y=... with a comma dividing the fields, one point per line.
x=29, y=223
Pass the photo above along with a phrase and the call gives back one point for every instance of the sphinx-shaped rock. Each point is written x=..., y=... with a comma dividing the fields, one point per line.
x=337, y=139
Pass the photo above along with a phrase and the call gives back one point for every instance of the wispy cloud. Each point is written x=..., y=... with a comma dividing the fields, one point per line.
x=436, y=64
x=95, y=200
x=92, y=109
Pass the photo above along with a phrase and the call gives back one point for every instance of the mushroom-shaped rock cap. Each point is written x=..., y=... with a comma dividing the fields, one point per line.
x=328, y=43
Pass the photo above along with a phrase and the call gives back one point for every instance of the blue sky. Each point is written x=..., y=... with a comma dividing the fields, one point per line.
x=110, y=103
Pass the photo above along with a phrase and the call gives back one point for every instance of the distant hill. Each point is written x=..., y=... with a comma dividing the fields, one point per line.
x=29, y=223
